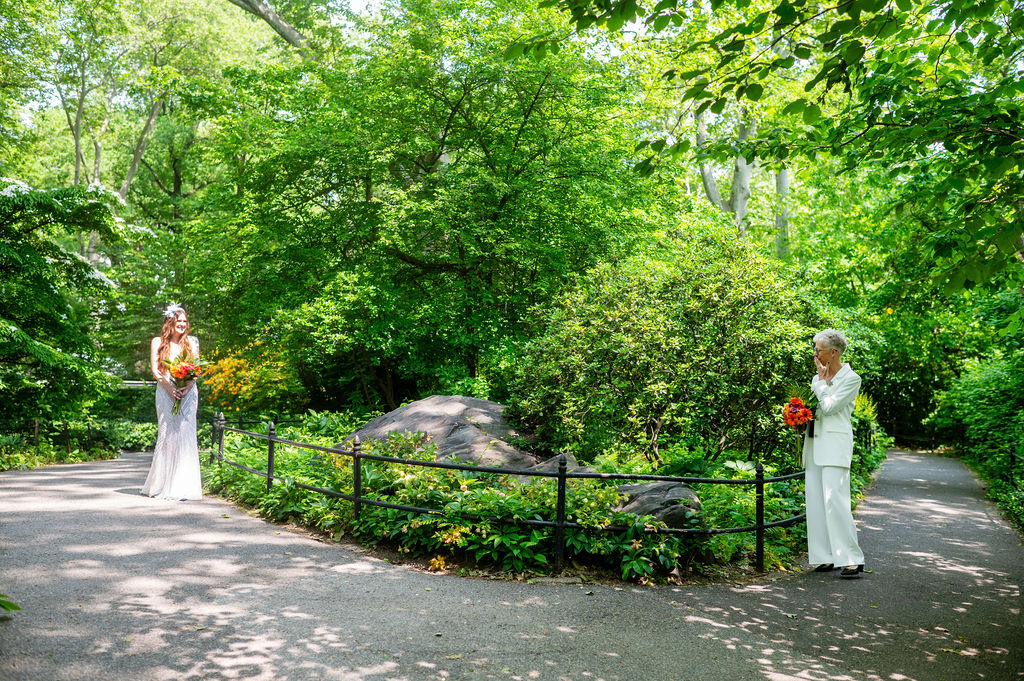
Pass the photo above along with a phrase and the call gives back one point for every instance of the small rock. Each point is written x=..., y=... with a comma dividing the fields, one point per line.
x=672, y=503
x=558, y=580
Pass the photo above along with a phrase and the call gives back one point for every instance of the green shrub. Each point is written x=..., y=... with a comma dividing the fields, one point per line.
x=694, y=342
x=735, y=506
x=985, y=407
x=473, y=502
x=870, y=443
x=130, y=435
x=23, y=455
x=84, y=439
x=471, y=499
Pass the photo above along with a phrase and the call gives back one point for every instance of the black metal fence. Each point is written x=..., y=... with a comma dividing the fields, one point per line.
x=560, y=524
x=60, y=434
x=1011, y=470
x=867, y=436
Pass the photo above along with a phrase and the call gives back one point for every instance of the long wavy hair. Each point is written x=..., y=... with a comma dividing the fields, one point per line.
x=168, y=332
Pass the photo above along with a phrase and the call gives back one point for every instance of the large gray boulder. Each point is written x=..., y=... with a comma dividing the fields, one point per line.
x=465, y=429
x=471, y=430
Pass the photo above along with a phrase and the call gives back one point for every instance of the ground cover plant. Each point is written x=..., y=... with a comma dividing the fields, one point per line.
x=71, y=441
x=481, y=516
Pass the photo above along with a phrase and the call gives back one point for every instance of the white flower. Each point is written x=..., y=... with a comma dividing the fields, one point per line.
x=14, y=187
x=95, y=274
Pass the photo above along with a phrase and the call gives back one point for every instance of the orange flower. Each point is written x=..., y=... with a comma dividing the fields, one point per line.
x=796, y=413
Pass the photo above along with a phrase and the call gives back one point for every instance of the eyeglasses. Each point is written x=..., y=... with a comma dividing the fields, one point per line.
x=818, y=351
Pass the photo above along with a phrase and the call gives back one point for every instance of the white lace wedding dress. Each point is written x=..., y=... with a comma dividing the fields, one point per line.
x=174, y=473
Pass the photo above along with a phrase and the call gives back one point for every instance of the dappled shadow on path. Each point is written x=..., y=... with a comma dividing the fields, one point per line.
x=117, y=586
x=942, y=601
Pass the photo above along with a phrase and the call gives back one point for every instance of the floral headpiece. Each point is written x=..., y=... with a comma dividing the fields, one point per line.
x=172, y=310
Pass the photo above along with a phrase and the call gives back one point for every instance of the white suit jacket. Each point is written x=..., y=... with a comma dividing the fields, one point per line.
x=832, y=444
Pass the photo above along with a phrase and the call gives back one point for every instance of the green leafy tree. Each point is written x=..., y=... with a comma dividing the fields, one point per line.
x=48, y=364
x=401, y=206
x=691, y=343
x=873, y=268
x=25, y=33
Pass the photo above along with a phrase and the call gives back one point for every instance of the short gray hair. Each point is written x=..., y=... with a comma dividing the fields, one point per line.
x=832, y=338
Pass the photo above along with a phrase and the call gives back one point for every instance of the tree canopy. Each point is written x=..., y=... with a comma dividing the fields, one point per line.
x=929, y=90
x=365, y=207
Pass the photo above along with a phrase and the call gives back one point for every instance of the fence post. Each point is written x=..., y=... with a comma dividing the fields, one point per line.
x=67, y=438
x=1013, y=465
x=759, y=556
x=270, y=456
x=239, y=421
x=560, y=516
x=220, y=438
x=213, y=436
x=37, y=437
x=357, y=476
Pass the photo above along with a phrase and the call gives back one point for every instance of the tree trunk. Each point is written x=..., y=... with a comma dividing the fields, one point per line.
x=177, y=182
x=140, y=147
x=386, y=385
x=75, y=126
x=262, y=10
x=707, y=176
x=239, y=163
x=782, y=213
x=741, y=174
x=739, y=195
x=97, y=154
x=97, y=150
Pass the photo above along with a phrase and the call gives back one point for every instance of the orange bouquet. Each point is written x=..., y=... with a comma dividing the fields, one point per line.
x=182, y=370
x=796, y=414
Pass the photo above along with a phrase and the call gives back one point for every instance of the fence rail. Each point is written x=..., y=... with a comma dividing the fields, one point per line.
x=562, y=475
x=137, y=385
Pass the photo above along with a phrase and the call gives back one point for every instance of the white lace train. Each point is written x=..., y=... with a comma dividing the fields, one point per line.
x=174, y=473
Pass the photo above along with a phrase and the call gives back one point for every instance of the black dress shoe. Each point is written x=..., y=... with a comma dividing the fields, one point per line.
x=852, y=573
x=825, y=568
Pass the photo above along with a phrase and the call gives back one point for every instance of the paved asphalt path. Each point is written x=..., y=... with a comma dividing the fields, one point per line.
x=119, y=587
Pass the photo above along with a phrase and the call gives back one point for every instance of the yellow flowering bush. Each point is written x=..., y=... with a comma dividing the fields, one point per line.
x=254, y=381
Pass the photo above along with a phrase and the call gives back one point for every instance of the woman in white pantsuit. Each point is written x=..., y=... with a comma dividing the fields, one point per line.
x=831, y=533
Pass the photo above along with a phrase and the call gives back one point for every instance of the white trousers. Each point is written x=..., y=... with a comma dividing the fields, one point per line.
x=831, y=534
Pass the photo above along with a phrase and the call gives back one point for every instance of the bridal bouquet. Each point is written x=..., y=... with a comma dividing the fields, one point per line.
x=796, y=414
x=182, y=369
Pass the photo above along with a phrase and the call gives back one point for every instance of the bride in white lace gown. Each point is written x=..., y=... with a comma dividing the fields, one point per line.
x=174, y=473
